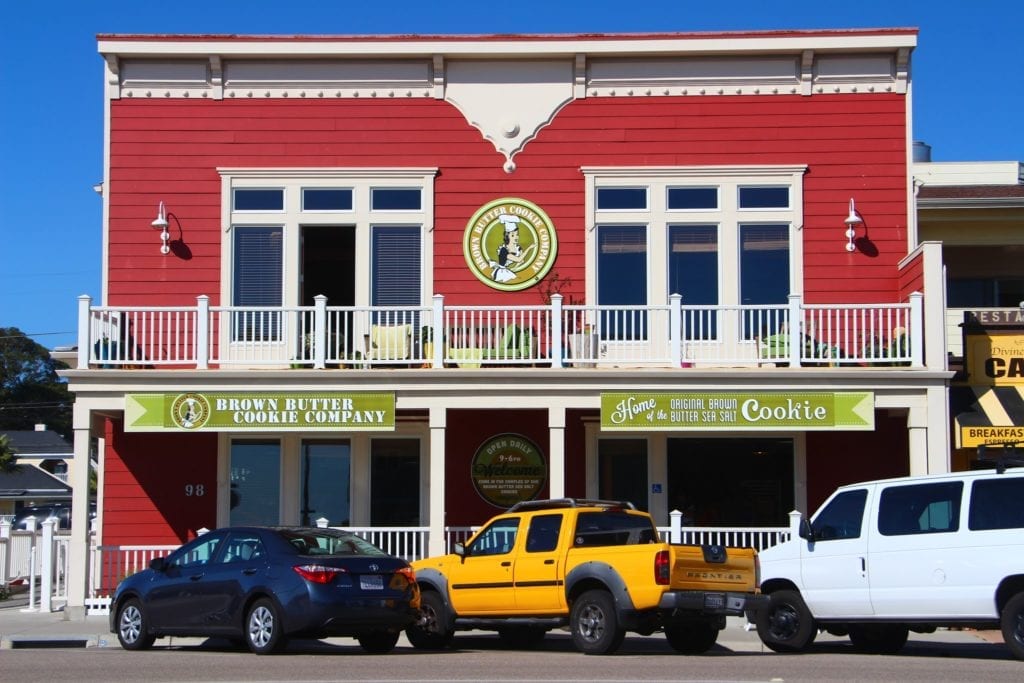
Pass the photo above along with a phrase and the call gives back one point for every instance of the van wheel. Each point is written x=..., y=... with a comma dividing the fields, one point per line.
x=878, y=639
x=430, y=632
x=691, y=637
x=595, y=624
x=786, y=625
x=378, y=642
x=1012, y=622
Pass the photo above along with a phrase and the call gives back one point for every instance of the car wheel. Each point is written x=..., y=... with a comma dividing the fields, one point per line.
x=430, y=632
x=132, y=627
x=521, y=637
x=691, y=637
x=378, y=642
x=878, y=639
x=786, y=625
x=1012, y=622
x=595, y=624
x=263, y=628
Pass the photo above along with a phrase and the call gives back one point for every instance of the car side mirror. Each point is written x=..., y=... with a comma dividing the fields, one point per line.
x=158, y=564
x=460, y=550
x=806, y=532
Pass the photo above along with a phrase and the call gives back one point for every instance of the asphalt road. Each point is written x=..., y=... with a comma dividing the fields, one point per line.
x=929, y=658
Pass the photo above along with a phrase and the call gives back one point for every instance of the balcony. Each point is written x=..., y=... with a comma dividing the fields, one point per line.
x=440, y=336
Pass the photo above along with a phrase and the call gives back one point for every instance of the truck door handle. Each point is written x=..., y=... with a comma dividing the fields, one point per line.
x=549, y=561
x=506, y=564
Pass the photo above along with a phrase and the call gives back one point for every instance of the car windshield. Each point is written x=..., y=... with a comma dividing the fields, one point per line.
x=328, y=542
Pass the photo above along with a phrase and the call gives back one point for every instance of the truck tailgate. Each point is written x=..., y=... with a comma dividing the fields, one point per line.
x=713, y=568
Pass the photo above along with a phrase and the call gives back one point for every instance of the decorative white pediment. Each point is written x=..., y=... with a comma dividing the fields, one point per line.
x=509, y=101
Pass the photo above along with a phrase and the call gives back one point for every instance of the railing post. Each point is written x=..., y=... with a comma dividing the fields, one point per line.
x=84, y=344
x=202, y=332
x=5, y=536
x=46, y=567
x=319, y=332
x=916, y=329
x=675, y=331
x=437, y=333
x=555, y=342
x=796, y=330
x=675, y=527
x=794, y=524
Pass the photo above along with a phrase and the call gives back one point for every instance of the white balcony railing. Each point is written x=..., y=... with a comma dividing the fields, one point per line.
x=555, y=335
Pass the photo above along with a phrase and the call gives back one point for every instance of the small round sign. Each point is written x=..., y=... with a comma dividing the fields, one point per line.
x=508, y=469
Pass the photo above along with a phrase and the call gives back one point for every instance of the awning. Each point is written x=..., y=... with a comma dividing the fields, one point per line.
x=988, y=415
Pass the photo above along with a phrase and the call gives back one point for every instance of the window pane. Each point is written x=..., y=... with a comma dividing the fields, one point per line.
x=764, y=197
x=842, y=518
x=622, y=281
x=609, y=198
x=693, y=197
x=259, y=200
x=395, y=274
x=395, y=199
x=255, y=483
x=395, y=482
x=764, y=264
x=996, y=504
x=258, y=276
x=920, y=508
x=324, y=488
x=622, y=470
x=326, y=199
x=693, y=273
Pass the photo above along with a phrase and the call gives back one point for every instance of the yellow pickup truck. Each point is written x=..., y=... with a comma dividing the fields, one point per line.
x=597, y=567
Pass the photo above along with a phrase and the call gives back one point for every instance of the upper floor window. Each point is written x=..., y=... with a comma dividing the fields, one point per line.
x=327, y=199
x=259, y=199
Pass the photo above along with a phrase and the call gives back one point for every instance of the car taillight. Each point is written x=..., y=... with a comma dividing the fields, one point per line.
x=662, y=568
x=317, y=573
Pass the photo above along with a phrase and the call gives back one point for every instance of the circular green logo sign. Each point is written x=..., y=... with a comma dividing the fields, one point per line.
x=508, y=469
x=510, y=244
x=190, y=411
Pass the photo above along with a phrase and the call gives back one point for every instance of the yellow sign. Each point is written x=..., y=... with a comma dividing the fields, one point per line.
x=971, y=437
x=995, y=358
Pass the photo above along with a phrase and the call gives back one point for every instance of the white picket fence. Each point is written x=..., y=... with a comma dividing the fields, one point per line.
x=24, y=554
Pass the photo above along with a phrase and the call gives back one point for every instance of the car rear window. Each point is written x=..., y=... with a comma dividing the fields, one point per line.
x=612, y=528
x=326, y=542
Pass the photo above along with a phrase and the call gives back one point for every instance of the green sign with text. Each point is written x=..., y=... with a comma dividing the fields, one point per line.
x=259, y=411
x=802, y=410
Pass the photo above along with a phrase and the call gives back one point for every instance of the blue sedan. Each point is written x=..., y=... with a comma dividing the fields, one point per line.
x=263, y=585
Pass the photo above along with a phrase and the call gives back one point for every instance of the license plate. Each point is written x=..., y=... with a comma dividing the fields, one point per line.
x=371, y=582
x=714, y=601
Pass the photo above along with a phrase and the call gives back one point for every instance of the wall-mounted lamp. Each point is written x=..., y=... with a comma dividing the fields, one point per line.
x=852, y=221
x=160, y=223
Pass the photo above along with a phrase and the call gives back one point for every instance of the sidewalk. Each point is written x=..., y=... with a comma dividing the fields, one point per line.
x=20, y=628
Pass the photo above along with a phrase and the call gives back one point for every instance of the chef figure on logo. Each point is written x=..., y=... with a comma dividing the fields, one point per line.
x=510, y=253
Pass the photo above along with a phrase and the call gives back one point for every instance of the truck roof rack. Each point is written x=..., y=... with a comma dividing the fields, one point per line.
x=554, y=503
x=1007, y=457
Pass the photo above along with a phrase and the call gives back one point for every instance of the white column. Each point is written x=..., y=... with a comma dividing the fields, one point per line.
x=917, y=429
x=78, y=574
x=46, y=566
x=438, y=422
x=556, y=452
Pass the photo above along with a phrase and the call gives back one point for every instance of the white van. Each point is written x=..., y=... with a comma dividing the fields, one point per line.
x=881, y=558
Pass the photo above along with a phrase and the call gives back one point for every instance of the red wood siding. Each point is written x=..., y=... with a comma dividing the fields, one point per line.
x=169, y=150
x=144, y=483
x=911, y=277
x=838, y=458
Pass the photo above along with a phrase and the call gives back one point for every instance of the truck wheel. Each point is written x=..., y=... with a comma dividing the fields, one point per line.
x=1012, y=622
x=521, y=637
x=691, y=637
x=595, y=624
x=786, y=625
x=878, y=639
x=431, y=631
x=378, y=642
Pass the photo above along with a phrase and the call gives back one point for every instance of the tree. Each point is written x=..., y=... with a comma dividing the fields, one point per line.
x=8, y=460
x=31, y=392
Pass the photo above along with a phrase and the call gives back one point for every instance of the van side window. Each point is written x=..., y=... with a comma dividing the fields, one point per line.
x=997, y=504
x=842, y=517
x=920, y=509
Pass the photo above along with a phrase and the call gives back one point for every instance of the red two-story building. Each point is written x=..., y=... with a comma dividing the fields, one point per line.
x=403, y=282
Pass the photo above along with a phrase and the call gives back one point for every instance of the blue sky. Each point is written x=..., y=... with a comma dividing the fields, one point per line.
x=968, y=95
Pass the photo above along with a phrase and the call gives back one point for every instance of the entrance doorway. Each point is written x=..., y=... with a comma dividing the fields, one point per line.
x=731, y=482
x=328, y=264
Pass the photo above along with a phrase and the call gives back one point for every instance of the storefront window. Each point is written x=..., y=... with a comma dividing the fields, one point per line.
x=324, y=488
x=622, y=470
x=395, y=482
x=255, y=482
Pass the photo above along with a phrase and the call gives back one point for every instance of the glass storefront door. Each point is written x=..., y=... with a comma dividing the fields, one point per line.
x=324, y=488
